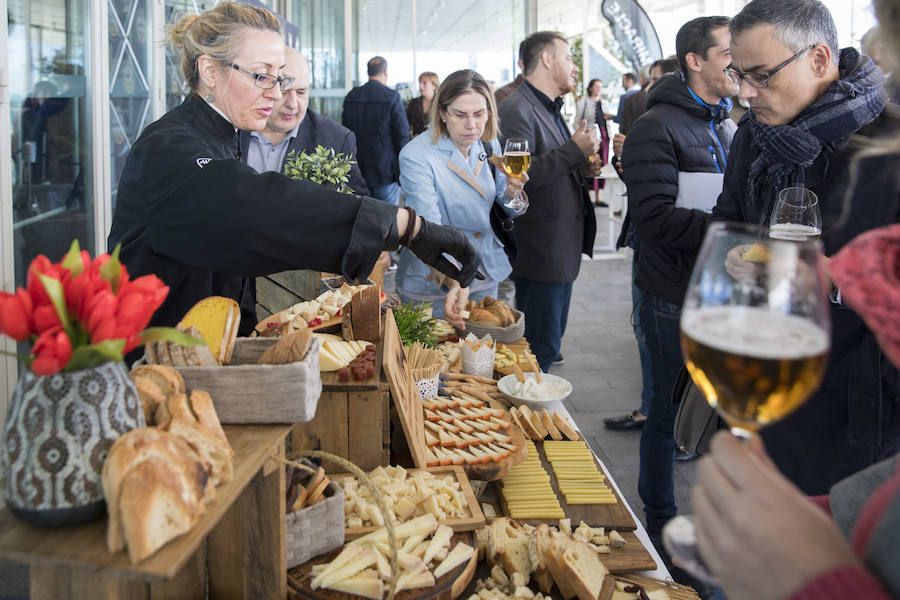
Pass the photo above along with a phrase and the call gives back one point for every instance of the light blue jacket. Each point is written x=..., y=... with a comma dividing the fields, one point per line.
x=442, y=187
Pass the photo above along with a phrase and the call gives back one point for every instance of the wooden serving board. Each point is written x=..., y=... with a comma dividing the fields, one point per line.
x=448, y=587
x=675, y=591
x=403, y=390
x=469, y=523
x=614, y=516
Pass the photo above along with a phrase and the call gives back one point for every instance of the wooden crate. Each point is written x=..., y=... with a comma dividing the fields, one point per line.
x=352, y=420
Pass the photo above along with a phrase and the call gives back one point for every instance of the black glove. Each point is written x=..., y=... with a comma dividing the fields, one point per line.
x=434, y=240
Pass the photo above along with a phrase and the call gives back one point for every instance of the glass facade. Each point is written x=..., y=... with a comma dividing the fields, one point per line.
x=316, y=29
x=130, y=76
x=49, y=85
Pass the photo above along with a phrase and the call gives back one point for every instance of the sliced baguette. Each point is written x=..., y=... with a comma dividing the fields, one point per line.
x=565, y=427
x=551, y=428
x=534, y=419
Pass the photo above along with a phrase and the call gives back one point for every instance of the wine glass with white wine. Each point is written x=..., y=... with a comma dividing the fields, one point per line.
x=755, y=338
x=796, y=215
x=516, y=160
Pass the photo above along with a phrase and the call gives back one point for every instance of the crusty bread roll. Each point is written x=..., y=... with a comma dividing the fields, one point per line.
x=151, y=397
x=202, y=406
x=141, y=445
x=152, y=508
x=214, y=452
x=168, y=379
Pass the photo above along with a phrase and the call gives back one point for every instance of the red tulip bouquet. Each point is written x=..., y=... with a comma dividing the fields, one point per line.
x=80, y=313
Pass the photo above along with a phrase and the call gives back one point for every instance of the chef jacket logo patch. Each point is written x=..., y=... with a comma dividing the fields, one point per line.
x=202, y=162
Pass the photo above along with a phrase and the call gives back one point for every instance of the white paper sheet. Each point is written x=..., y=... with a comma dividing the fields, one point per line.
x=698, y=190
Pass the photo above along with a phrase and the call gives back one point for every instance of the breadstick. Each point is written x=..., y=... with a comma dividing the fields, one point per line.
x=464, y=376
x=518, y=372
x=475, y=393
x=533, y=365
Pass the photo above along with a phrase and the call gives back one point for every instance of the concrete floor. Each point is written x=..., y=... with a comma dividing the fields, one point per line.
x=602, y=364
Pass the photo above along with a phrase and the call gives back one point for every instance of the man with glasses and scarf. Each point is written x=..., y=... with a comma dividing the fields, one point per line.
x=810, y=105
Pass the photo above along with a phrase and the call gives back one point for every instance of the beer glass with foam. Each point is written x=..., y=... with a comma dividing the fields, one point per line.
x=755, y=338
x=516, y=160
x=796, y=215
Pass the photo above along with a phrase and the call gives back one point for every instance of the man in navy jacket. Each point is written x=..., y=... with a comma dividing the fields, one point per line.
x=375, y=113
x=293, y=127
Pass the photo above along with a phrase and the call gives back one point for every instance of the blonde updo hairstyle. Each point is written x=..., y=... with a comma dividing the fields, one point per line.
x=217, y=33
x=455, y=85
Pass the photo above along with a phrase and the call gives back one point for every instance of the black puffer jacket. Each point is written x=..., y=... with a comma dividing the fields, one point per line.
x=678, y=133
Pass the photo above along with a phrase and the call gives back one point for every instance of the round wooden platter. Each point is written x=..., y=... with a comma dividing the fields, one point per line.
x=447, y=587
x=494, y=470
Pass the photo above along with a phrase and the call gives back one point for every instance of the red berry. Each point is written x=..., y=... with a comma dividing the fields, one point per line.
x=314, y=322
x=271, y=324
x=370, y=370
x=359, y=374
x=344, y=374
x=370, y=348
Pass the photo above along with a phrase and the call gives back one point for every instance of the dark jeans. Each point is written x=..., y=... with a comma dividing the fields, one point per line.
x=546, y=308
x=655, y=481
x=637, y=299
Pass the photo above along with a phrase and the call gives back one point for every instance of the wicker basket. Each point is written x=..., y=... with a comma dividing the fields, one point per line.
x=316, y=529
x=246, y=393
x=504, y=335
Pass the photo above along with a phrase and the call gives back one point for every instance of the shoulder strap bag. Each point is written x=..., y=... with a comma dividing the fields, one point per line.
x=696, y=422
x=501, y=223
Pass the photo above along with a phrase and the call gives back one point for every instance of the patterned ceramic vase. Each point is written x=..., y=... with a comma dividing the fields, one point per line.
x=58, y=431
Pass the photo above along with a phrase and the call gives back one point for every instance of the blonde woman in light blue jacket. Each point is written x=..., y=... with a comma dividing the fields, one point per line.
x=446, y=178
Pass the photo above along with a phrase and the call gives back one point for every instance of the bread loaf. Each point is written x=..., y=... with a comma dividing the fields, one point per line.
x=151, y=397
x=215, y=453
x=539, y=543
x=201, y=405
x=141, y=445
x=152, y=508
x=218, y=319
x=507, y=546
x=290, y=348
x=365, y=314
x=168, y=380
x=580, y=567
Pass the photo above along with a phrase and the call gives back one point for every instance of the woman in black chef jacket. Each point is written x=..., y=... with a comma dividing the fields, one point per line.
x=190, y=212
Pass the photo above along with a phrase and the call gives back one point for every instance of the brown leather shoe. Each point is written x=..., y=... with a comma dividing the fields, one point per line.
x=625, y=422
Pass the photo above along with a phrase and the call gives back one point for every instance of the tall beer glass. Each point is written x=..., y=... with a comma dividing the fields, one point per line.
x=755, y=333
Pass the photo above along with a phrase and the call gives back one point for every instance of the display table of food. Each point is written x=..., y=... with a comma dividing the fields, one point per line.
x=238, y=544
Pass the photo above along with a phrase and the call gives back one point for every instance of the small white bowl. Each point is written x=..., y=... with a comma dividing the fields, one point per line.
x=505, y=386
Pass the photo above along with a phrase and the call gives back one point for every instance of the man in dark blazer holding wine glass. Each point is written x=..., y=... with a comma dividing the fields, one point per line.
x=560, y=225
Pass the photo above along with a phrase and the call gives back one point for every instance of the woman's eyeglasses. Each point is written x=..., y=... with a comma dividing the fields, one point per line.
x=264, y=80
x=761, y=80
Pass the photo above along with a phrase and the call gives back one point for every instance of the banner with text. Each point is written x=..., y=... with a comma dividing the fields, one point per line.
x=634, y=31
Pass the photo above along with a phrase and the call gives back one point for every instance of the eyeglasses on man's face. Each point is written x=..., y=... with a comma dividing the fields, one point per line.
x=761, y=80
x=264, y=80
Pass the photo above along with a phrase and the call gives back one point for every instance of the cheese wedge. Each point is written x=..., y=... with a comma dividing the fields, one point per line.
x=460, y=554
